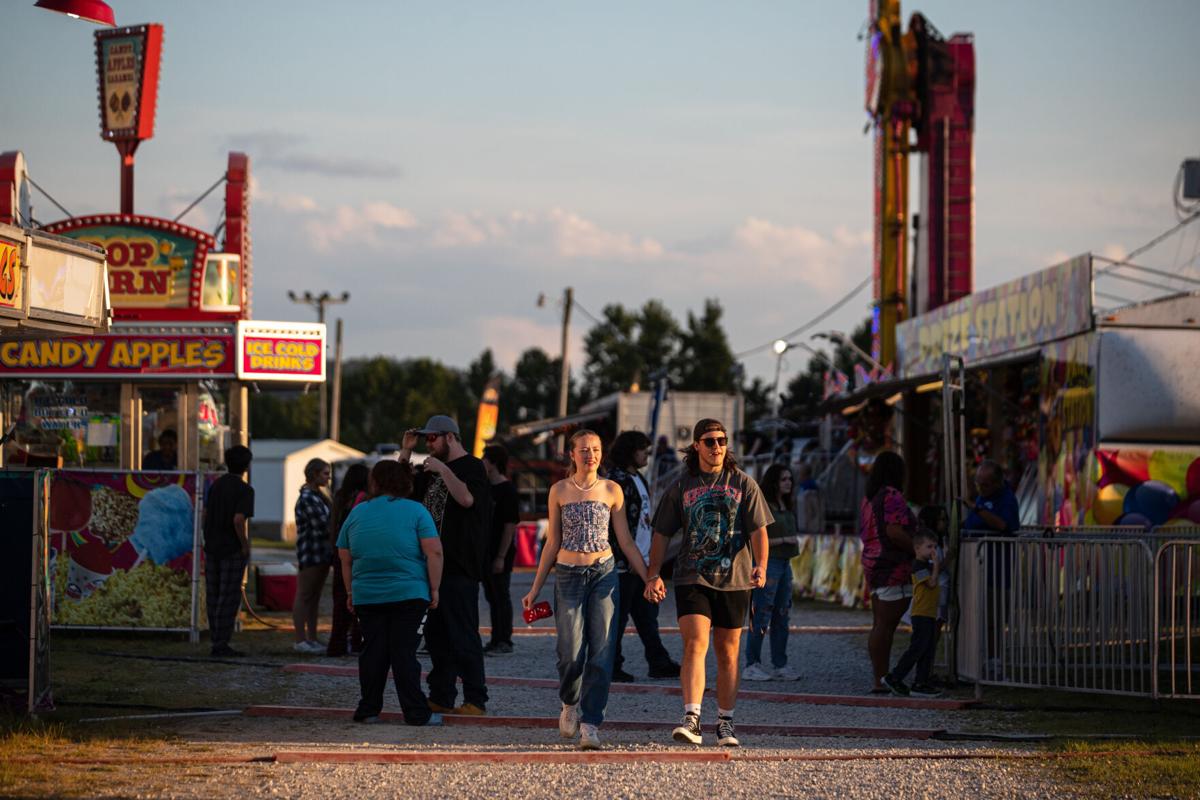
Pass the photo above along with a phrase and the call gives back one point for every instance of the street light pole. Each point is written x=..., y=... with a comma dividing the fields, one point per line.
x=565, y=373
x=780, y=347
x=319, y=301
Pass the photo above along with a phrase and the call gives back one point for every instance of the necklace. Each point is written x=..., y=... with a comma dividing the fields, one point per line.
x=716, y=477
x=587, y=488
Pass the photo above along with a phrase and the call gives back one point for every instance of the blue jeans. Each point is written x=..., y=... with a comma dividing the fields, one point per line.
x=770, y=607
x=585, y=605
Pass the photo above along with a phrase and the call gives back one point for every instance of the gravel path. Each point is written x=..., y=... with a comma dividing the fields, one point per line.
x=829, y=663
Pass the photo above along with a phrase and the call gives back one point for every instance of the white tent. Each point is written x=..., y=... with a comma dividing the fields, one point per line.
x=277, y=473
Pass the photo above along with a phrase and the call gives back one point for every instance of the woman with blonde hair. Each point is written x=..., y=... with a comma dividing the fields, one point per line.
x=585, y=585
x=314, y=554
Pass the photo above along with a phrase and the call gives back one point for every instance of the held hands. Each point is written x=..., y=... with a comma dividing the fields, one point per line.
x=758, y=576
x=656, y=590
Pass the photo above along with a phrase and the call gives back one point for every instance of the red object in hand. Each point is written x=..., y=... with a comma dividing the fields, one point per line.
x=538, y=611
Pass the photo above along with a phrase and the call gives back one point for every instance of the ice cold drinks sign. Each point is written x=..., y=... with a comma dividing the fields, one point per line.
x=281, y=351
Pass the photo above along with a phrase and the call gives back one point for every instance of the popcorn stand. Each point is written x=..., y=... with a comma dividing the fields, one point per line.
x=117, y=545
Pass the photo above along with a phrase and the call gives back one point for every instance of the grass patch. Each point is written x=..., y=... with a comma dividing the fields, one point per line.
x=1141, y=769
x=1077, y=714
x=48, y=741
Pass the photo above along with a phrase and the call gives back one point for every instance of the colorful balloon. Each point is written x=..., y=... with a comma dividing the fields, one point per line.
x=1110, y=503
x=1193, y=512
x=1135, y=519
x=1154, y=500
x=1193, y=479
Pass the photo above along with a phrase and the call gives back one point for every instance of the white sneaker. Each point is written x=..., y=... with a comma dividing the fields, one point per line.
x=309, y=648
x=755, y=672
x=588, y=737
x=568, y=722
x=785, y=673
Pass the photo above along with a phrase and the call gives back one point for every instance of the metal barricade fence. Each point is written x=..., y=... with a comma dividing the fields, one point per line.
x=1069, y=613
x=1177, y=619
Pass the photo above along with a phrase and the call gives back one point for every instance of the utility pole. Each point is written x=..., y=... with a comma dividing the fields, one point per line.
x=319, y=301
x=335, y=421
x=565, y=374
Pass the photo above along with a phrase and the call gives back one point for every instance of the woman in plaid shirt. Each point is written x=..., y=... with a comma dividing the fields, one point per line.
x=313, y=552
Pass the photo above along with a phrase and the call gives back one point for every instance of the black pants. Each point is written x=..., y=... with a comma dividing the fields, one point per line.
x=344, y=624
x=496, y=588
x=645, y=619
x=452, y=638
x=920, y=651
x=223, y=595
x=390, y=635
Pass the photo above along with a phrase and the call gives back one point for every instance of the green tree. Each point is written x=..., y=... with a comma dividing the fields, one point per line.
x=806, y=390
x=288, y=414
x=704, y=361
x=627, y=347
x=533, y=390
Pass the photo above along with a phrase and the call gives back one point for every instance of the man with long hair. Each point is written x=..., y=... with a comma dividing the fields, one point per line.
x=723, y=557
x=627, y=455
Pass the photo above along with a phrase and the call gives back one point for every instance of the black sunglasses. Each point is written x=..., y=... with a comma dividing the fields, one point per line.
x=714, y=441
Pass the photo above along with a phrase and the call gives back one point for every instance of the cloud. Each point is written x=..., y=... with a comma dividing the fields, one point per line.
x=509, y=336
x=291, y=202
x=557, y=233
x=769, y=251
x=331, y=166
x=364, y=224
x=280, y=150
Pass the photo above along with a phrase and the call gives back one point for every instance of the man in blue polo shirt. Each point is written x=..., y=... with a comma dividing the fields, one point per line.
x=995, y=511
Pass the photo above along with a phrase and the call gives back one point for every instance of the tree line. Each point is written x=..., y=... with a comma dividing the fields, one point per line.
x=625, y=348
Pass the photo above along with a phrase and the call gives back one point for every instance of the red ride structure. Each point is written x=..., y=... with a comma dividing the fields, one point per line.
x=920, y=83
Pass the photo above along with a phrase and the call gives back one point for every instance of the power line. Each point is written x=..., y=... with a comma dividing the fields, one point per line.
x=1151, y=270
x=1138, y=251
x=811, y=323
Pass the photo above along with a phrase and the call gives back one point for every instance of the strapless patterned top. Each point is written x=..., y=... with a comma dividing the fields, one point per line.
x=585, y=526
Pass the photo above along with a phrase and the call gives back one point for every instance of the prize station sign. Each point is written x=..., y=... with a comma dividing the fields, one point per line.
x=127, y=61
x=281, y=351
x=157, y=269
x=1038, y=308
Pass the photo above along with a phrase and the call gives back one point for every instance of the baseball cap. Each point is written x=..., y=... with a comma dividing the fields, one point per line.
x=704, y=426
x=440, y=423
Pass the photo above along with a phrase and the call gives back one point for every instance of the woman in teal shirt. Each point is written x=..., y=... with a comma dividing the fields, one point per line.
x=391, y=558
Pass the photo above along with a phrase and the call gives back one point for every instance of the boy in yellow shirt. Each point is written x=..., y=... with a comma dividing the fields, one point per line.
x=926, y=592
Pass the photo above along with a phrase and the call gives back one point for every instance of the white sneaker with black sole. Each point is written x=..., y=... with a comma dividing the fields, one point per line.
x=568, y=722
x=688, y=731
x=725, y=733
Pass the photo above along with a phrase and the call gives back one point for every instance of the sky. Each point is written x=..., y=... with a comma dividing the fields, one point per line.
x=447, y=163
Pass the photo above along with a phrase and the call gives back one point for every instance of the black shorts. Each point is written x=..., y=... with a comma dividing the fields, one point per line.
x=723, y=609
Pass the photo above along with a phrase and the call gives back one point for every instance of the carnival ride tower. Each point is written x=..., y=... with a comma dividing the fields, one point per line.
x=918, y=82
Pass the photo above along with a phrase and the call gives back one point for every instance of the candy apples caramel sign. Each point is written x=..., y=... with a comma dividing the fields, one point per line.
x=156, y=268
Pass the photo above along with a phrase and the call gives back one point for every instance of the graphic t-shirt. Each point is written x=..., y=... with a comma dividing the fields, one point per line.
x=637, y=514
x=229, y=495
x=883, y=562
x=464, y=531
x=716, y=514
